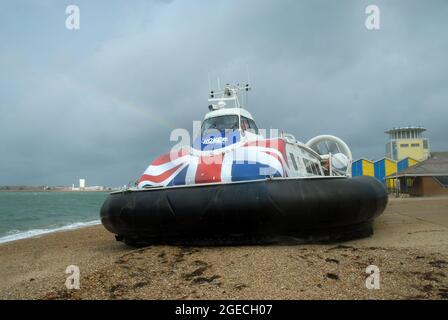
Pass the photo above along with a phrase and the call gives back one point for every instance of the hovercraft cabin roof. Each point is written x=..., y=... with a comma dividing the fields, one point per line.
x=228, y=111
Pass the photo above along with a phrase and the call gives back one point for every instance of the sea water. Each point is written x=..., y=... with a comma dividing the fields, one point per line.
x=29, y=214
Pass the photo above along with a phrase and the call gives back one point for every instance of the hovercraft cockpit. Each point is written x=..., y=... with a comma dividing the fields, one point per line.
x=227, y=122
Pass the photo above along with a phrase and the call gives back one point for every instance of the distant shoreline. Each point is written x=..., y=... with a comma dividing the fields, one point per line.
x=40, y=190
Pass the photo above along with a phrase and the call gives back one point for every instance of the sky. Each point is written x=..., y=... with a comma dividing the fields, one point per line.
x=100, y=102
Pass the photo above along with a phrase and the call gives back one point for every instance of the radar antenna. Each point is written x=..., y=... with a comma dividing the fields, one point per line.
x=230, y=93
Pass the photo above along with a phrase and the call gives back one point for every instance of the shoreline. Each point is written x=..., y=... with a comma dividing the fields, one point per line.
x=410, y=246
x=81, y=225
x=38, y=233
x=48, y=191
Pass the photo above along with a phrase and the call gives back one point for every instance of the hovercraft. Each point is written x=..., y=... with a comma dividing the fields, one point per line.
x=233, y=183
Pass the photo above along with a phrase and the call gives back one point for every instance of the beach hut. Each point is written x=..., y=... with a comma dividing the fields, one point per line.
x=383, y=168
x=363, y=167
x=406, y=163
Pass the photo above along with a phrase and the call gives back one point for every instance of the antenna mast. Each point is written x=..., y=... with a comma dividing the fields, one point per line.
x=230, y=93
x=209, y=82
x=247, y=86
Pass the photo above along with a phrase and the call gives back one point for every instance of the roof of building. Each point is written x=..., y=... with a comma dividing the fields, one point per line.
x=409, y=158
x=384, y=158
x=397, y=129
x=360, y=159
x=436, y=165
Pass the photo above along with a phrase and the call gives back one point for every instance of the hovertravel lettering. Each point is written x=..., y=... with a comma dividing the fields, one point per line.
x=192, y=310
x=214, y=140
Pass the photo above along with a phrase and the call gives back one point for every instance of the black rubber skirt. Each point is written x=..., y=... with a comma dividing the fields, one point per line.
x=316, y=210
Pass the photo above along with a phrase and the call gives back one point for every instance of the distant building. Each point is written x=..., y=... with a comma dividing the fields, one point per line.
x=407, y=142
x=385, y=167
x=94, y=188
x=363, y=167
x=406, y=148
x=406, y=163
x=427, y=178
x=82, y=184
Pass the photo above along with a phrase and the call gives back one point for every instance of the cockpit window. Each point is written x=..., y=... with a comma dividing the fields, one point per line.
x=249, y=125
x=221, y=123
x=244, y=123
x=252, y=126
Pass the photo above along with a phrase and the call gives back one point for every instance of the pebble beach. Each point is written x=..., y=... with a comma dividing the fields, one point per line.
x=409, y=246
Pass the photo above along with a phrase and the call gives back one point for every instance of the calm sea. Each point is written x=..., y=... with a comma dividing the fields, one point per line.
x=28, y=214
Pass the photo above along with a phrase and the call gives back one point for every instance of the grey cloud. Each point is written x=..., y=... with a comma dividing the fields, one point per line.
x=104, y=105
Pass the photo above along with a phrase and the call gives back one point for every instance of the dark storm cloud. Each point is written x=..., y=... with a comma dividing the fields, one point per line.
x=101, y=102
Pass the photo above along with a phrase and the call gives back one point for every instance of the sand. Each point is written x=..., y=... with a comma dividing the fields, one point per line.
x=410, y=247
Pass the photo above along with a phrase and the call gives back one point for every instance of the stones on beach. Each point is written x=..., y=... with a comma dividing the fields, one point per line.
x=169, y=272
x=140, y=285
x=332, y=276
x=332, y=260
x=116, y=288
x=443, y=293
x=240, y=286
x=201, y=280
x=439, y=264
x=199, y=271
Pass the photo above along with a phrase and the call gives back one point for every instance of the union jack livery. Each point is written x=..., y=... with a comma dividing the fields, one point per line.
x=251, y=161
x=232, y=149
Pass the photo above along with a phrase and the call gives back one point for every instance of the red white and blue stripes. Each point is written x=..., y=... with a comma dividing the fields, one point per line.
x=250, y=161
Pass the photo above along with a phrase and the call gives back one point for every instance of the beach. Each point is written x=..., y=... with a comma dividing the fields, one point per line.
x=409, y=246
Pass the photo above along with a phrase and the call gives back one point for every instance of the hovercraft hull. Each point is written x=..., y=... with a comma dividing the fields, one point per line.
x=311, y=209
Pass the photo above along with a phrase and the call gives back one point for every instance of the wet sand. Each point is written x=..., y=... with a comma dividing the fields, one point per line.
x=410, y=247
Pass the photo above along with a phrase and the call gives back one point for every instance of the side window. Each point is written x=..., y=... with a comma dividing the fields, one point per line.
x=299, y=161
x=317, y=169
x=249, y=125
x=294, y=163
x=252, y=126
x=312, y=166
x=244, y=123
x=308, y=165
